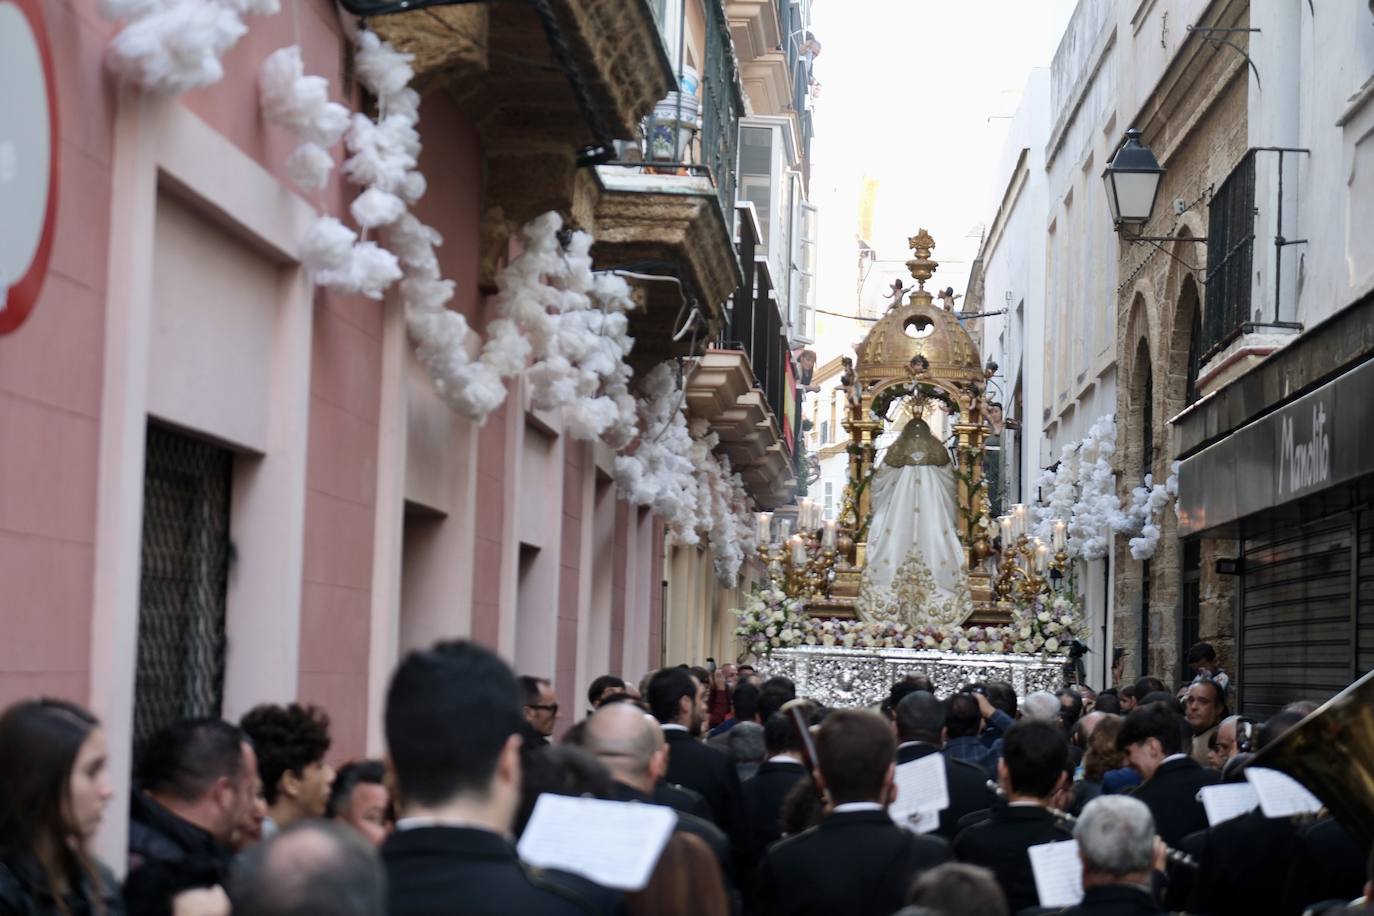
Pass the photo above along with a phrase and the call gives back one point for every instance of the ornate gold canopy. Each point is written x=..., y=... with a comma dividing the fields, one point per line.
x=917, y=348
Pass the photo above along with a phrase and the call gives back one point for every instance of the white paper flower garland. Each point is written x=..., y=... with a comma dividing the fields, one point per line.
x=1082, y=492
x=170, y=46
x=683, y=481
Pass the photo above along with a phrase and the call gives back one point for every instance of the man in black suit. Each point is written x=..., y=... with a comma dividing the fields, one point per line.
x=1153, y=738
x=678, y=701
x=1116, y=842
x=857, y=861
x=452, y=729
x=764, y=793
x=632, y=748
x=1031, y=771
x=920, y=728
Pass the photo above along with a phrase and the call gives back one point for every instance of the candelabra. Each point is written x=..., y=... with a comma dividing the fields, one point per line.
x=800, y=564
x=1027, y=564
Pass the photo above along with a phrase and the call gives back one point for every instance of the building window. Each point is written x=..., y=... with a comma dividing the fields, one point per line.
x=825, y=432
x=756, y=175
x=1230, y=249
x=184, y=579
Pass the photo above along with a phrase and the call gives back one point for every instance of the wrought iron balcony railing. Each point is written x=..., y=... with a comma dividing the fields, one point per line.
x=1230, y=256
x=695, y=130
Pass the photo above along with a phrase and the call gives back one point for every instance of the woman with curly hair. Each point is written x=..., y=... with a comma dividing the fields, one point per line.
x=52, y=767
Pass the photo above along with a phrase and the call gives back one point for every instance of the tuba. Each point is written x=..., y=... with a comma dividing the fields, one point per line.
x=1331, y=752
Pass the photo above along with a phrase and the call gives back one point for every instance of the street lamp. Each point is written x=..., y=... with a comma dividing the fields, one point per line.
x=1132, y=179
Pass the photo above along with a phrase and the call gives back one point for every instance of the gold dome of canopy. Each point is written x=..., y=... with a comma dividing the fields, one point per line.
x=919, y=328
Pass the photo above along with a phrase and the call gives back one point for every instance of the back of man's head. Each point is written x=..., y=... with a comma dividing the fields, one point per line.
x=920, y=717
x=779, y=737
x=773, y=695
x=449, y=712
x=310, y=868
x=1153, y=720
x=1274, y=727
x=962, y=716
x=287, y=739
x=1147, y=685
x=602, y=684
x=955, y=888
x=854, y=749
x=1116, y=836
x=745, y=702
x=1002, y=696
x=624, y=739
x=666, y=690
x=1108, y=702
x=1041, y=706
x=901, y=689
x=185, y=759
x=1036, y=754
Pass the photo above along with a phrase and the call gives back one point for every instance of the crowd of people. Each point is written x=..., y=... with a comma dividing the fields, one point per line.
x=780, y=806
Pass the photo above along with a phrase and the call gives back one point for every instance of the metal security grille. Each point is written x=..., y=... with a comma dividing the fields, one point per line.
x=185, y=568
x=1230, y=250
x=1190, y=613
x=724, y=100
x=1296, y=626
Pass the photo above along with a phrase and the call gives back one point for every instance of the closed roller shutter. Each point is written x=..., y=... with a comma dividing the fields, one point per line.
x=1296, y=624
x=1365, y=636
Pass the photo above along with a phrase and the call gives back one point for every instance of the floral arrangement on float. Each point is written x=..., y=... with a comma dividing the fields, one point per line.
x=771, y=620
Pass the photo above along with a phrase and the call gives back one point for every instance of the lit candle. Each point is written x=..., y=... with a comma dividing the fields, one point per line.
x=1005, y=523
x=784, y=529
x=1042, y=555
x=1061, y=535
x=1018, y=520
x=765, y=528
x=798, y=551
x=828, y=536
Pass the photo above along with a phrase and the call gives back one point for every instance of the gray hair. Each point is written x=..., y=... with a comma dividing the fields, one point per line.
x=311, y=867
x=1041, y=705
x=745, y=743
x=1116, y=835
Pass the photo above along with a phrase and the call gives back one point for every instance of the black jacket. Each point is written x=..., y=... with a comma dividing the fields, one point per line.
x=763, y=796
x=699, y=827
x=462, y=871
x=25, y=891
x=158, y=835
x=856, y=862
x=1115, y=900
x=1171, y=795
x=999, y=844
x=967, y=783
x=708, y=771
x=681, y=798
x=1326, y=864
x=1244, y=862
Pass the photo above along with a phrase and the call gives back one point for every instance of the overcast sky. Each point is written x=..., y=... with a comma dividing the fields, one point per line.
x=908, y=87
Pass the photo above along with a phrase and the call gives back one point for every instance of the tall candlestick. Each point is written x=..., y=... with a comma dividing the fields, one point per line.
x=1005, y=523
x=765, y=528
x=798, y=551
x=784, y=529
x=1042, y=555
x=1061, y=535
x=828, y=536
x=1018, y=520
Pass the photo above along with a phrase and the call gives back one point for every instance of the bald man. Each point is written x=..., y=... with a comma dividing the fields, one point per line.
x=630, y=743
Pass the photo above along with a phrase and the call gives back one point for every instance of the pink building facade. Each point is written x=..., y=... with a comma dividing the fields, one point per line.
x=186, y=421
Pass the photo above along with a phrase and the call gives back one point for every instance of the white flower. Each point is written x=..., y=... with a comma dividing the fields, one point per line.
x=962, y=645
x=1052, y=628
x=779, y=616
x=827, y=639
x=1025, y=632
x=1051, y=645
x=849, y=640
x=946, y=644
x=1043, y=617
x=1066, y=620
x=1038, y=641
x=930, y=642
x=787, y=635
x=771, y=632
x=908, y=642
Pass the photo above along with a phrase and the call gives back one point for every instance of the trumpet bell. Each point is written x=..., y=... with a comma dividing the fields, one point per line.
x=1331, y=752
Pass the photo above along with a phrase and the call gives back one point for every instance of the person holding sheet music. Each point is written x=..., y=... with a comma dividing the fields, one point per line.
x=856, y=861
x=1031, y=771
x=920, y=727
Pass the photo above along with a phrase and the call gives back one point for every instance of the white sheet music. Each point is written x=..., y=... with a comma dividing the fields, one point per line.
x=1227, y=800
x=1058, y=873
x=1280, y=795
x=615, y=844
x=922, y=793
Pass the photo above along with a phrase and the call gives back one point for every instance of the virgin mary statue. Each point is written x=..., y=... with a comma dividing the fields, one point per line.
x=915, y=567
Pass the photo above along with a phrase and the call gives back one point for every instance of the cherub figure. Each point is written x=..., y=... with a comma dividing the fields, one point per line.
x=897, y=294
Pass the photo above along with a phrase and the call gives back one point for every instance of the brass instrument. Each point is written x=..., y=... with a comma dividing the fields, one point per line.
x=1176, y=856
x=1331, y=752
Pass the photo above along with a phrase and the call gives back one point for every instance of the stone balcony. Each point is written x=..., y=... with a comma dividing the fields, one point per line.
x=721, y=391
x=496, y=62
x=671, y=226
